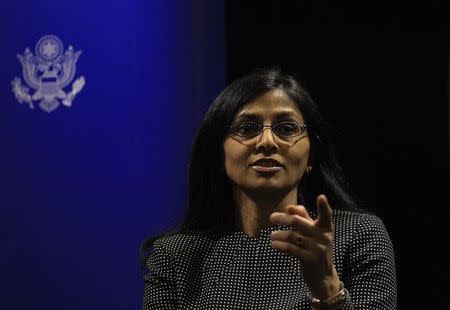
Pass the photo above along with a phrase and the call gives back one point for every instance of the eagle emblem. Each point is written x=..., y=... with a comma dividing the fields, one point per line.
x=48, y=73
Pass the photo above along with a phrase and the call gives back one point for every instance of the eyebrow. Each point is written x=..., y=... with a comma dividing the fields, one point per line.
x=257, y=117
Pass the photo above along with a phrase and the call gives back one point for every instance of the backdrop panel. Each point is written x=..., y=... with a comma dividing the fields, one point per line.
x=83, y=185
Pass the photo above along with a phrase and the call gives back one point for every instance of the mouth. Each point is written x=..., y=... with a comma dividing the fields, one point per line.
x=266, y=165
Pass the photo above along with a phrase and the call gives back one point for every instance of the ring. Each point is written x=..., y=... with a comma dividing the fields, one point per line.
x=299, y=241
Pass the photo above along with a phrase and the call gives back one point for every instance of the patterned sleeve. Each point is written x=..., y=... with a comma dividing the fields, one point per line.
x=371, y=278
x=159, y=289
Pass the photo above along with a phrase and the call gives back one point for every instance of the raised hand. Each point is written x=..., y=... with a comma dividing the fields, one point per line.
x=311, y=241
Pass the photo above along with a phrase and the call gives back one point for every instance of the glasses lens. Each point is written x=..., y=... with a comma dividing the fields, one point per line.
x=246, y=129
x=287, y=129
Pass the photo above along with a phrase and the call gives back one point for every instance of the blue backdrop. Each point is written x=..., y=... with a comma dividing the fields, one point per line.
x=83, y=186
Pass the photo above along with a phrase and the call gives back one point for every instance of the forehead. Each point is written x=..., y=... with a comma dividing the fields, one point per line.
x=271, y=105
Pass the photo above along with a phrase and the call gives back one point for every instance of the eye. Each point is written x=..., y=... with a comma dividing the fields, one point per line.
x=246, y=129
x=287, y=129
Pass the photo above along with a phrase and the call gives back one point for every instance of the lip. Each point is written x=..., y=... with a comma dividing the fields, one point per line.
x=266, y=169
x=274, y=163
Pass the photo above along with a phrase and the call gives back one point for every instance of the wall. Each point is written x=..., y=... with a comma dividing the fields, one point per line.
x=81, y=187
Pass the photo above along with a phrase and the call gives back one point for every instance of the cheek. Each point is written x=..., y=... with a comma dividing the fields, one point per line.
x=235, y=156
x=299, y=158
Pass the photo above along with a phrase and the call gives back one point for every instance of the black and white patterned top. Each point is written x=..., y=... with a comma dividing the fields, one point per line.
x=237, y=271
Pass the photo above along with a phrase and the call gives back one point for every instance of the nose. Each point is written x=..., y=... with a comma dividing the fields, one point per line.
x=266, y=142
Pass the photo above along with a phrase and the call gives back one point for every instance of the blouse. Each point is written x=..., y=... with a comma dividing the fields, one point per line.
x=194, y=270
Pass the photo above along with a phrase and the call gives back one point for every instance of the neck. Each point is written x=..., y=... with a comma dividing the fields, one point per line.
x=253, y=210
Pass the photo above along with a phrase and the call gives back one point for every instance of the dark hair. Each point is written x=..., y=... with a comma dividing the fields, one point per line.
x=210, y=205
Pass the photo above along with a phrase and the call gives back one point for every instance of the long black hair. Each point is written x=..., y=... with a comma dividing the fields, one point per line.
x=210, y=201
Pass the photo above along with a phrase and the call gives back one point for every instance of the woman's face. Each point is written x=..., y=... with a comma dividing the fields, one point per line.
x=291, y=153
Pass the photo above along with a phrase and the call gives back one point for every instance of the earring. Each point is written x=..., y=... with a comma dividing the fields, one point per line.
x=308, y=170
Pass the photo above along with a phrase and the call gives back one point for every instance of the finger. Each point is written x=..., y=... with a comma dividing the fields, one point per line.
x=296, y=221
x=299, y=210
x=288, y=247
x=291, y=236
x=324, y=211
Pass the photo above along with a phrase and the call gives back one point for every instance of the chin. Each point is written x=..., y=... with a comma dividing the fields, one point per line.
x=267, y=187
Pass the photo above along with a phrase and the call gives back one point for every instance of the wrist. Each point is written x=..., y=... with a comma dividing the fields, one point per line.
x=327, y=287
x=335, y=301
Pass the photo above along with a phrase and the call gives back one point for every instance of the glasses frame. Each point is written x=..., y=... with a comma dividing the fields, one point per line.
x=302, y=128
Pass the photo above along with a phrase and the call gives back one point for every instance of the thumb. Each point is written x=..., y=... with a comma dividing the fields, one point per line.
x=324, y=212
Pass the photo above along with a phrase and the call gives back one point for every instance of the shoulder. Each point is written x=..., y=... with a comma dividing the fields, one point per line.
x=184, y=243
x=360, y=228
x=357, y=220
x=363, y=230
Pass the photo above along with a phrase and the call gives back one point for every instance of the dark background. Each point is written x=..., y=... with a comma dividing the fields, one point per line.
x=379, y=75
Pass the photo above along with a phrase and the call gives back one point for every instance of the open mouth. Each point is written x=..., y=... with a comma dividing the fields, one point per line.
x=267, y=165
x=267, y=162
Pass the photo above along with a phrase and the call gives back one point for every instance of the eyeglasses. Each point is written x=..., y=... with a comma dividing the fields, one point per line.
x=282, y=130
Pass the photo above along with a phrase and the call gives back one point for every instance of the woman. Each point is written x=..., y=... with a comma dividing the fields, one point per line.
x=270, y=223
